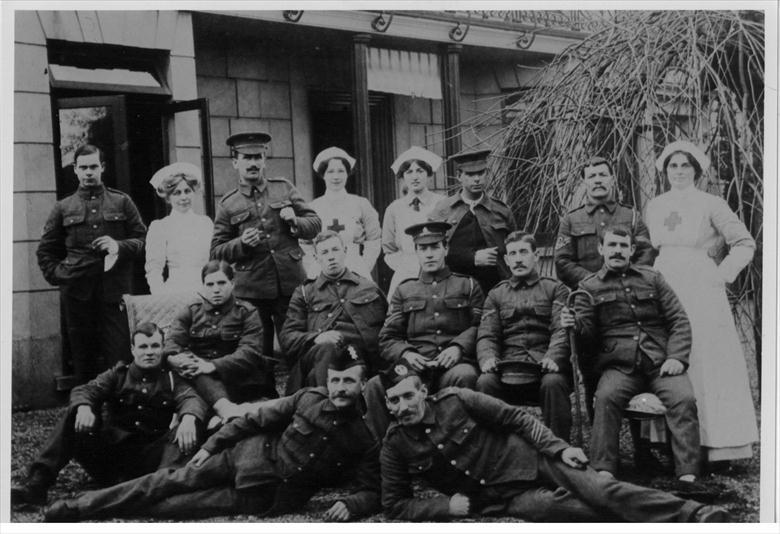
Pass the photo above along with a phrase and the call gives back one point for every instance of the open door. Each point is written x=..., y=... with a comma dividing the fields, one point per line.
x=198, y=111
x=98, y=120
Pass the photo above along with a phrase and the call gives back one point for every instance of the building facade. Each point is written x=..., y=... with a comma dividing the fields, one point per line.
x=154, y=87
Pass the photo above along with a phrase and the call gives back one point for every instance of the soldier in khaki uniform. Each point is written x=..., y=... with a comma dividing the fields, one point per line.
x=215, y=342
x=257, y=228
x=337, y=308
x=480, y=223
x=576, y=249
x=269, y=463
x=489, y=458
x=521, y=323
x=432, y=323
x=132, y=435
x=88, y=246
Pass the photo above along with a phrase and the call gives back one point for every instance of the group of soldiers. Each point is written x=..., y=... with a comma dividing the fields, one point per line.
x=376, y=396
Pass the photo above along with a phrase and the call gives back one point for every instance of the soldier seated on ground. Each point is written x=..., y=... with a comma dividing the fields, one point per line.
x=489, y=458
x=215, y=342
x=135, y=438
x=522, y=349
x=335, y=309
x=268, y=463
x=432, y=324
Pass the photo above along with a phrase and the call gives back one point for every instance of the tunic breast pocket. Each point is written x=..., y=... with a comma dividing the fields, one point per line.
x=584, y=234
x=231, y=331
x=367, y=308
x=415, y=312
x=75, y=230
x=241, y=221
x=647, y=303
x=459, y=311
x=606, y=307
x=508, y=315
x=114, y=223
x=419, y=466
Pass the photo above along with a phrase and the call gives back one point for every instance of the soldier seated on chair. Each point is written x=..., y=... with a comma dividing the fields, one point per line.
x=337, y=308
x=523, y=351
x=135, y=438
x=215, y=342
x=643, y=338
x=432, y=323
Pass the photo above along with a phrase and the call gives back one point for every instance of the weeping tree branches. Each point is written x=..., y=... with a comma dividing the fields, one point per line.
x=626, y=91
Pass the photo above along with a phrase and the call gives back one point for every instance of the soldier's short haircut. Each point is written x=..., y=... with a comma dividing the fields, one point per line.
x=148, y=329
x=521, y=235
x=324, y=236
x=617, y=229
x=214, y=266
x=86, y=150
x=420, y=163
x=594, y=161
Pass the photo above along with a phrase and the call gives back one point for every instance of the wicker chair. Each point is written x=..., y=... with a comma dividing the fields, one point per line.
x=158, y=309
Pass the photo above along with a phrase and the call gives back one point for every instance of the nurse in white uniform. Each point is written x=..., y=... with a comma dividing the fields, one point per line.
x=416, y=167
x=351, y=216
x=688, y=226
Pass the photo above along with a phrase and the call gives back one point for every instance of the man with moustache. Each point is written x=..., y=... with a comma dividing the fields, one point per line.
x=520, y=330
x=88, y=246
x=132, y=436
x=576, y=249
x=479, y=223
x=257, y=228
x=489, y=458
x=268, y=463
x=643, y=340
x=337, y=308
x=432, y=323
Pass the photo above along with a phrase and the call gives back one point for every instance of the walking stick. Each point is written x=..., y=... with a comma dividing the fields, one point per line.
x=575, y=368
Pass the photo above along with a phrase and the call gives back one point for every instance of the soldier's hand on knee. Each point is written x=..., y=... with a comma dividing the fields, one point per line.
x=201, y=456
x=672, y=367
x=574, y=457
x=490, y=366
x=549, y=365
x=186, y=436
x=415, y=360
x=330, y=336
x=85, y=419
x=459, y=505
x=337, y=512
x=449, y=357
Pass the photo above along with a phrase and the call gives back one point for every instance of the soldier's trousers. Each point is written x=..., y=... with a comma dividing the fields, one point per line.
x=311, y=369
x=272, y=313
x=614, y=391
x=552, y=394
x=177, y=493
x=98, y=335
x=565, y=494
x=106, y=459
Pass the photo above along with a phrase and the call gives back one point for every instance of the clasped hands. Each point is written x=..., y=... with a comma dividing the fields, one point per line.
x=444, y=360
x=189, y=366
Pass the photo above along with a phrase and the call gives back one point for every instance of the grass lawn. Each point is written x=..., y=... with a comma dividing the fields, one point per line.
x=737, y=488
